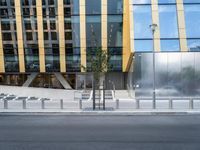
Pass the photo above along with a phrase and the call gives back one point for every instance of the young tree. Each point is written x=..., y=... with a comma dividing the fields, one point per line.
x=98, y=64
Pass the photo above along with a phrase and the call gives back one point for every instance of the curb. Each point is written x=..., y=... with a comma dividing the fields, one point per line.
x=101, y=113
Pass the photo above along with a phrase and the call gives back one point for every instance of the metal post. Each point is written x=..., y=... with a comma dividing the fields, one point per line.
x=61, y=104
x=42, y=102
x=191, y=104
x=93, y=86
x=24, y=104
x=104, y=105
x=117, y=103
x=5, y=104
x=170, y=104
x=137, y=104
x=153, y=28
x=80, y=104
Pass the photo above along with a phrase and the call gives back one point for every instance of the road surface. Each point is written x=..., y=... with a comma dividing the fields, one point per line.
x=54, y=132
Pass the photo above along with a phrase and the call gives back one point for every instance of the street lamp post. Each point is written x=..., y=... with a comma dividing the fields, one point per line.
x=153, y=29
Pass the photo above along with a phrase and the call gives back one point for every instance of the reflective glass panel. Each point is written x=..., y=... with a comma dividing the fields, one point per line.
x=168, y=21
x=93, y=6
x=170, y=45
x=115, y=6
x=192, y=13
x=166, y=1
x=142, y=20
x=115, y=30
x=141, y=1
x=93, y=31
x=143, y=45
x=193, y=45
x=191, y=1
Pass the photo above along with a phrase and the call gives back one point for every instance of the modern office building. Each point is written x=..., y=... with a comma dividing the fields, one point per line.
x=45, y=42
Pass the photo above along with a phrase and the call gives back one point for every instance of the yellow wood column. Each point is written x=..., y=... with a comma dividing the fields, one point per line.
x=155, y=20
x=61, y=24
x=20, y=40
x=40, y=35
x=131, y=18
x=126, y=36
x=181, y=25
x=83, y=34
x=104, y=24
x=2, y=66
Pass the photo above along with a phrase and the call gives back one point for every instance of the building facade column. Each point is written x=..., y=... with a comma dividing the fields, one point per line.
x=155, y=20
x=2, y=65
x=181, y=26
x=61, y=24
x=126, y=52
x=104, y=24
x=40, y=35
x=20, y=40
x=83, y=34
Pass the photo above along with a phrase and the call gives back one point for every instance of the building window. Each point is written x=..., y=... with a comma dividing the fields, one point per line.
x=93, y=6
x=115, y=7
x=170, y=45
x=7, y=36
x=192, y=13
x=193, y=44
x=166, y=1
x=68, y=35
x=29, y=36
x=168, y=28
x=53, y=36
x=93, y=28
x=115, y=26
x=141, y=1
x=143, y=45
x=142, y=33
x=5, y=25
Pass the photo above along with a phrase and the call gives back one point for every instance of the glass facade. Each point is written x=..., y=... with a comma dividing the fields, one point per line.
x=51, y=41
x=93, y=27
x=29, y=20
x=114, y=37
x=169, y=36
x=72, y=35
x=9, y=35
x=142, y=33
x=192, y=12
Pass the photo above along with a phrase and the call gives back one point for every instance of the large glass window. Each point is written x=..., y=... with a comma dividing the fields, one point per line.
x=141, y=1
x=142, y=20
x=168, y=28
x=115, y=6
x=93, y=6
x=142, y=33
x=168, y=21
x=191, y=1
x=72, y=35
x=166, y=1
x=193, y=44
x=192, y=20
x=143, y=45
x=115, y=31
x=93, y=28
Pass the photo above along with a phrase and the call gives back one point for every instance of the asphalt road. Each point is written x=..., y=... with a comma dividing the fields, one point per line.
x=100, y=132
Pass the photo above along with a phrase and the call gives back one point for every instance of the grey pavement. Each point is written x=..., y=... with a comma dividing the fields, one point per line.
x=100, y=132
